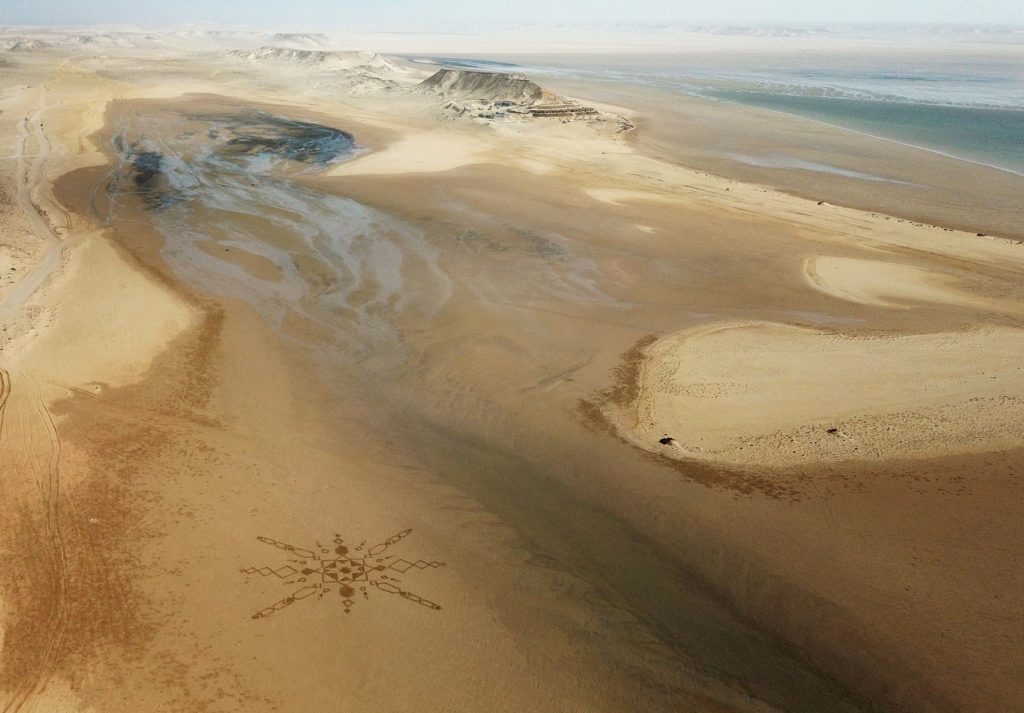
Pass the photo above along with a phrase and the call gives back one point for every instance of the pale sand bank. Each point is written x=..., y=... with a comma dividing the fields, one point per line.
x=889, y=284
x=428, y=152
x=775, y=394
x=112, y=321
x=620, y=196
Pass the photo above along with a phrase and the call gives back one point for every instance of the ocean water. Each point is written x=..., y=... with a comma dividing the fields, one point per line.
x=970, y=106
x=989, y=135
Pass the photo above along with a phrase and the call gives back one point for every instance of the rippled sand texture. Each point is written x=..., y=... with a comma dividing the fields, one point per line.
x=318, y=399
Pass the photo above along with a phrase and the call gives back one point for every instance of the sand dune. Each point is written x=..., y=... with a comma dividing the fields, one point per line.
x=427, y=152
x=619, y=196
x=774, y=394
x=887, y=284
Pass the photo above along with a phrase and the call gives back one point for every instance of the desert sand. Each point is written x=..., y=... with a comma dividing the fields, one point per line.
x=380, y=429
x=770, y=393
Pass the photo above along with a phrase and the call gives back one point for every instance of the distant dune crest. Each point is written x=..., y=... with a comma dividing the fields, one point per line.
x=320, y=59
x=16, y=44
x=300, y=39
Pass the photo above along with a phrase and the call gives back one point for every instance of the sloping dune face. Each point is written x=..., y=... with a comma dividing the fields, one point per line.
x=886, y=284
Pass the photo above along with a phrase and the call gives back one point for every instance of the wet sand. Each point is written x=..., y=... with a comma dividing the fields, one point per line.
x=438, y=365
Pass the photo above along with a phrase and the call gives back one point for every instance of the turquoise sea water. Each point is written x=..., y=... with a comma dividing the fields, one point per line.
x=989, y=135
x=970, y=106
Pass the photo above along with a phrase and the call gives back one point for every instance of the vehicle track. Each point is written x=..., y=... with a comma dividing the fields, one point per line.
x=51, y=577
x=51, y=497
x=5, y=394
x=29, y=178
x=50, y=625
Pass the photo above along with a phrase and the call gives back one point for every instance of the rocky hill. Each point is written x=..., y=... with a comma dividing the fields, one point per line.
x=468, y=85
x=501, y=96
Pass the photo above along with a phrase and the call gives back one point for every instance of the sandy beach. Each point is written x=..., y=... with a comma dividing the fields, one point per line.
x=319, y=391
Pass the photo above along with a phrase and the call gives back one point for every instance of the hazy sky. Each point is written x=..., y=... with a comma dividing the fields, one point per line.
x=438, y=14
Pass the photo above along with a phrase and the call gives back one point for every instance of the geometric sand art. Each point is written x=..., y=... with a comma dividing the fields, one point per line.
x=350, y=573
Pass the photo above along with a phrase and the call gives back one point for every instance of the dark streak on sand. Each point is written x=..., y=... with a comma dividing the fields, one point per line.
x=145, y=165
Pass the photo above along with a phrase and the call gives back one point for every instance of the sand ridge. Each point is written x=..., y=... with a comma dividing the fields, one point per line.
x=420, y=153
x=888, y=284
x=776, y=394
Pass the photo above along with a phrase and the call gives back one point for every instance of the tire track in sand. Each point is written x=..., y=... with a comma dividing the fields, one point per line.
x=50, y=623
x=5, y=394
x=54, y=565
x=29, y=177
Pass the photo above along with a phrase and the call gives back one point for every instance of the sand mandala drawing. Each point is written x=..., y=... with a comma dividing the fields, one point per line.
x=324, y=570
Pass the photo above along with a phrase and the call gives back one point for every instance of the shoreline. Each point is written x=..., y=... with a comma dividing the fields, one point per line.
x=867, y=134
x=850, y=150
x=506, y=62
x=887, y=139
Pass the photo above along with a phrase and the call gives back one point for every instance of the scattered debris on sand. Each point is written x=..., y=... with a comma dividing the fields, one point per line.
x=562, y=110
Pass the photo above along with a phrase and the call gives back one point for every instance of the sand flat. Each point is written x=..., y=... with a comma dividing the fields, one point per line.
x=427, y=152
x=888, y=284
x=111, y=322
x=618, y=196
x=772, y=393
